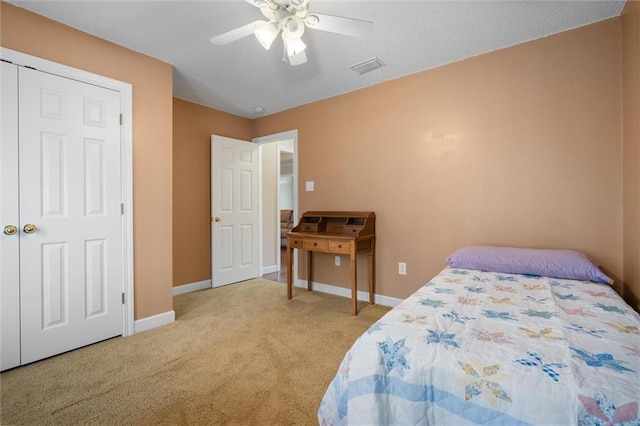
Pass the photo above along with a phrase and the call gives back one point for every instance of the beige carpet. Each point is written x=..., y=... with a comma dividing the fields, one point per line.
x=240, y=354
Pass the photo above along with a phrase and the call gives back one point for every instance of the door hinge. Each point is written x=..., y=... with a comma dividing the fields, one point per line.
x=121, y=208
x=123, y=298
x=121, y=119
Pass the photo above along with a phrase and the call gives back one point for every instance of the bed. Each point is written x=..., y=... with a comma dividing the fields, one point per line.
x=476, y=345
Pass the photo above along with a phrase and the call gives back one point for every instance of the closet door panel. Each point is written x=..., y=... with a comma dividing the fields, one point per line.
x=70, y=190
x=9, y=244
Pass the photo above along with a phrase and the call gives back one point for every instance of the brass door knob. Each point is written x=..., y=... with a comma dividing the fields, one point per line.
x=10, y=230
x=217, y=219
x=29, y=228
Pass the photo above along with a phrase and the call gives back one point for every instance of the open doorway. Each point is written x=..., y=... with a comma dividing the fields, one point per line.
x=285, y=210
x=278, y=201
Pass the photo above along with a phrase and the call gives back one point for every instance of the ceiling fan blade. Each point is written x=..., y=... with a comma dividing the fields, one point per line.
x=258, y=3
x=338, y=24
x=237, y=34
x=297, y=59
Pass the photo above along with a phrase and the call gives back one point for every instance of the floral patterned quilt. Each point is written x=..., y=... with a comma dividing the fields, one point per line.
x=482, y=347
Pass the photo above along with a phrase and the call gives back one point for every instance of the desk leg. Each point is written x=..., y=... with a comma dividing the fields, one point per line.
x=372, y=274
x=309, y=269
x=289, y=272
x=354, y=282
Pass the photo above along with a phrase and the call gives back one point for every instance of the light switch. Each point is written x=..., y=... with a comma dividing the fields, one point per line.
x=309, y=186
x=402, y=268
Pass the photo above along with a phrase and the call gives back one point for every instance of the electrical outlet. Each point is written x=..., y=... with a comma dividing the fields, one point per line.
x=402, y=268
x=337, y=261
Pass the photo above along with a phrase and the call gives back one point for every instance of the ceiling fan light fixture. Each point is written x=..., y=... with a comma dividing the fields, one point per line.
x=297, y=59
x=293, y=46
x=293, y=27
x=266, y=33
x=291, y=17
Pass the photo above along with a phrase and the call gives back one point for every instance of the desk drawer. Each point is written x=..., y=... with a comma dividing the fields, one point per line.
x=315, y=244
x=340, y=247
x=295, y=242
x=352, y=229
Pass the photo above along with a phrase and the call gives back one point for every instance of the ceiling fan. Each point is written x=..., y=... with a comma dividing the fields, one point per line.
x=291, y=17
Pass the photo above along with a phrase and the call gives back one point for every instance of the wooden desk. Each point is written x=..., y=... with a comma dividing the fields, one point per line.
x=336, y=233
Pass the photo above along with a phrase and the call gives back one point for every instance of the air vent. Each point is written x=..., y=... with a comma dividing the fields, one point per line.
x=367, y=66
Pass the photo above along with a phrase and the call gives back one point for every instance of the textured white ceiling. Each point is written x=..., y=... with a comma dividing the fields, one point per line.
x=408, y=36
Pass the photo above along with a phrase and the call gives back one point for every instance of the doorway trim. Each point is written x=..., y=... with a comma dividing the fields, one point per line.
x=276, y=137
x=126, y=140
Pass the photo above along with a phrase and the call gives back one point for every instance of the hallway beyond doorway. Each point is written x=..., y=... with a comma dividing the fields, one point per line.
x=280, y=276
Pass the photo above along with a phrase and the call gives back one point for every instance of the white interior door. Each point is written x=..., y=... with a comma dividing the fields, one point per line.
x=234, y=210
x=10, y=238
x=70, y=192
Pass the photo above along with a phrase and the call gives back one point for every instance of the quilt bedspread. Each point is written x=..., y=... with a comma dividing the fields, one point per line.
x=482, y=347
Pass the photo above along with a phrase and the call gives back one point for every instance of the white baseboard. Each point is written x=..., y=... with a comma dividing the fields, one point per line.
x=188, y=288
x=346, y=292
x=154, y=321
x=322, y=288
x=269, y=269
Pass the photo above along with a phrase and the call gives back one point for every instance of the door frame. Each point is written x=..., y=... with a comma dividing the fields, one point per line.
x=276, y=137
x=126, y=142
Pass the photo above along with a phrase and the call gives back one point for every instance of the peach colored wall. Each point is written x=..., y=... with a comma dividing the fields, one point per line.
x=521, y=146
x=152, y=137
x=193, y=126
x=631, y=141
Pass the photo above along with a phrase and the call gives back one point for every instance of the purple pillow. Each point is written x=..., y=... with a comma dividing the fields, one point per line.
x=548, y=263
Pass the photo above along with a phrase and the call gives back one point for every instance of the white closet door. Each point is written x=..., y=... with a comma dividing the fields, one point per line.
x=9, y=243
x=70, y=191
